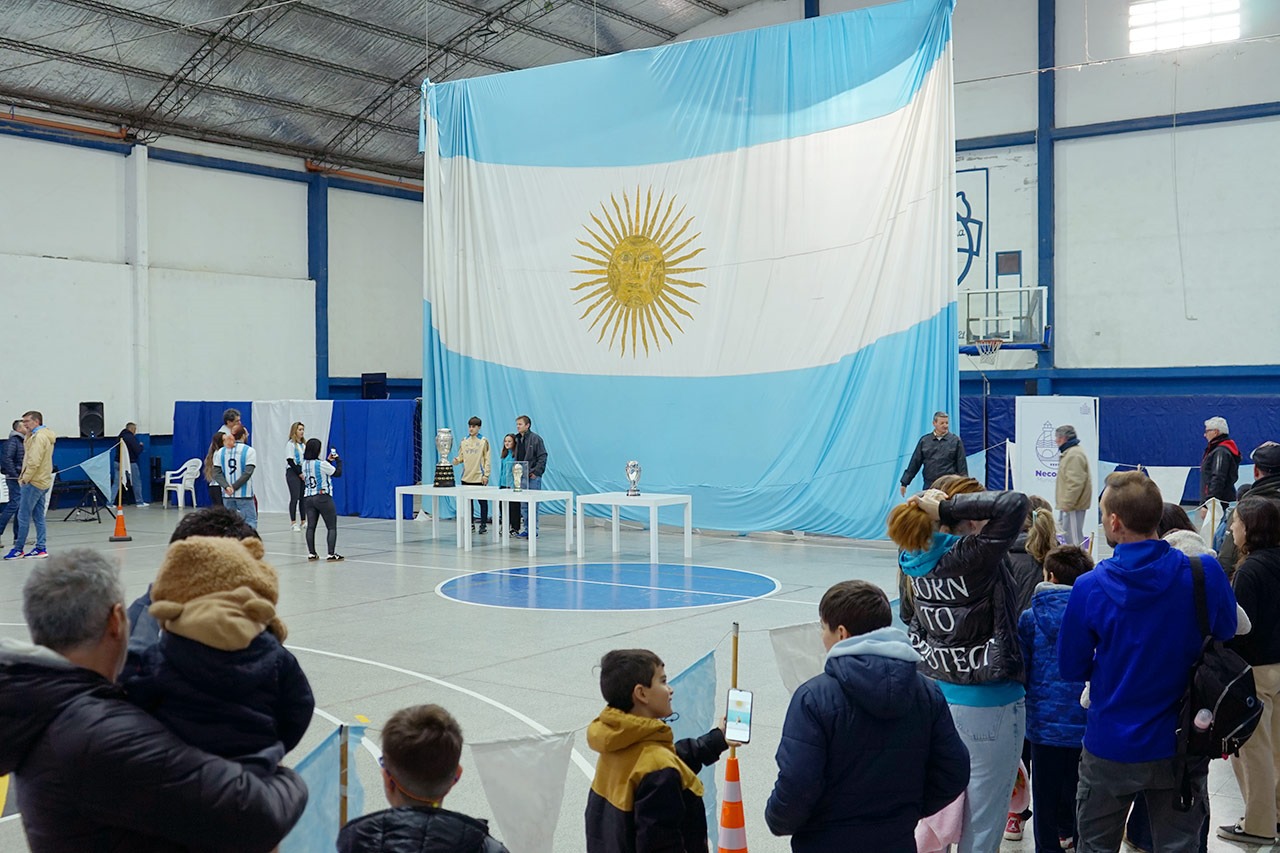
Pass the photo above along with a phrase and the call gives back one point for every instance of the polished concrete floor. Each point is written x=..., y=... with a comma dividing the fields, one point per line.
x=375, y=633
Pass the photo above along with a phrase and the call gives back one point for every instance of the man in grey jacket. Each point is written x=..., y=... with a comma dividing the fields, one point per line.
x=94, y=771
x=940, y=452
x=11, y=467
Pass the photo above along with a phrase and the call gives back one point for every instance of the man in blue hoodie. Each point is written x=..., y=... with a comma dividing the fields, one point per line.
x=868, y=747
x=1130, y=630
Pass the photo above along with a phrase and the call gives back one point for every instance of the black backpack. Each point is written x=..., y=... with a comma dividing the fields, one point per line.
x=1222, y=683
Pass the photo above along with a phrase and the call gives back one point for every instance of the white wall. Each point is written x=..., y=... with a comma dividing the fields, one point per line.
x=216, y=336
x=1112, y=85
x=218, y=221
x=61, y=202
x=59, y=316
x=375, y=285
x=1166, y=247
x=994, y=46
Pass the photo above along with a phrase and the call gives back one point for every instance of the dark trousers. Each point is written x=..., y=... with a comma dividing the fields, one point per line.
x=479, y=509
x=1106, y=792
x=9, y=512
x=1138, y=829
x=295, y=493
x=513, y=521
x=1053, y=792
x=215, y=494
x=317, y=507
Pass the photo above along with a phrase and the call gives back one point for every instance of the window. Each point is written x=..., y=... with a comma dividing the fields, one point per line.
x=1169, y=24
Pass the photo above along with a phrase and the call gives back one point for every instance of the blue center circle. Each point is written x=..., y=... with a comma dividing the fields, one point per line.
x=608, y=586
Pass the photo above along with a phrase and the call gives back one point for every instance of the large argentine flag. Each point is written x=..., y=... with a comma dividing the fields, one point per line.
x=730, y=259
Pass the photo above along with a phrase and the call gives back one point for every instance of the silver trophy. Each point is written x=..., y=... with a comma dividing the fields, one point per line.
x=633, y=477
x=517, y=477
x=444, y=468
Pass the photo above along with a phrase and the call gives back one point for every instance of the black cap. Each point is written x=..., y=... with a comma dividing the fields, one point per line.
x=1267, y=455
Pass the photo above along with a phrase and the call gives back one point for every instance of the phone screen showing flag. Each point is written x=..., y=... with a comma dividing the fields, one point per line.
x=739, y=716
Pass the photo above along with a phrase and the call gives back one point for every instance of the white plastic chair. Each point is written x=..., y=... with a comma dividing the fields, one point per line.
x=181, y=481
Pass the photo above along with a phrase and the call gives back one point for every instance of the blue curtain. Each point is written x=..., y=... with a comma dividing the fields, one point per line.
x=375, y=440
x=194, y=423
x=1146, y=430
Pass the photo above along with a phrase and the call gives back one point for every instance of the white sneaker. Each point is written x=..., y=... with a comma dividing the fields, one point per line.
x=295, y=528
x=144, y=503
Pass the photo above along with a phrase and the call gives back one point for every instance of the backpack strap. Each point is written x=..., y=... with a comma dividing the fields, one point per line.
x=1202, y=605
x=1183, y=798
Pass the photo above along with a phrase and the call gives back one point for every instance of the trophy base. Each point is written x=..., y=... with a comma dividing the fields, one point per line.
x=444, y=476
x=633, y=492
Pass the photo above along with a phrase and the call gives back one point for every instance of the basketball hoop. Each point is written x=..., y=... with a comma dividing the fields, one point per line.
x=987, y=349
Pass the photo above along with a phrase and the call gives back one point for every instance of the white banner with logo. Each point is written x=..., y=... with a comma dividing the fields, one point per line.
x=1035, y=462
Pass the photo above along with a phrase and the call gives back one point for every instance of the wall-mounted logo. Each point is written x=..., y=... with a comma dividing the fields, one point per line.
x=968, y=235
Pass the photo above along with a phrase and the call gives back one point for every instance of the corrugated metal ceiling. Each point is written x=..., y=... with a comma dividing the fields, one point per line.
x=335, y=81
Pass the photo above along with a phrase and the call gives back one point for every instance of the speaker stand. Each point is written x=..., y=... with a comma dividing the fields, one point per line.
x=89, y=509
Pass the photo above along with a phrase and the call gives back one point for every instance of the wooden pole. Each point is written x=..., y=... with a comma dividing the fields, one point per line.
x=120, y=474
x=342, y=776
x=733, y=676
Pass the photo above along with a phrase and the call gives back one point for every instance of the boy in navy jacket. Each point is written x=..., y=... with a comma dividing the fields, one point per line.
x=868, y=747
x=1130, y=630
x=1055, y=718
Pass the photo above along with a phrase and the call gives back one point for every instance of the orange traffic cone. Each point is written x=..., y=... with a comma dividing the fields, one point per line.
x=733, y=825
x=121, y=535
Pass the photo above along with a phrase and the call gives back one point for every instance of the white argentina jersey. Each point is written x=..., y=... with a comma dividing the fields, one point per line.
x=233, y=462
x=315, y=475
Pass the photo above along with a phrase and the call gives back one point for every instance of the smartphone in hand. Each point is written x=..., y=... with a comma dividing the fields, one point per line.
x=738, y=716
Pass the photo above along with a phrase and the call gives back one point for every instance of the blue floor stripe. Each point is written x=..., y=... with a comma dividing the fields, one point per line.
x=608, y=586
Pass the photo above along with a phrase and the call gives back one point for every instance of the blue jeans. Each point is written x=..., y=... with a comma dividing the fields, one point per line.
x=246, y=507
x=31, y=508
x=994, y=739
x=141, y=488
x=533, y=484
x=10, y=508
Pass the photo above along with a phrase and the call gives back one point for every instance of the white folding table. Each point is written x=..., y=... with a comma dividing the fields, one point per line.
x=616, y=500
x=436, y=493
x=532, y=497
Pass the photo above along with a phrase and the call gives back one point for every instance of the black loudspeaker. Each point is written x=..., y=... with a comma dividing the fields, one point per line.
x=373, y=386
x=1030, y=388
x=91, y=420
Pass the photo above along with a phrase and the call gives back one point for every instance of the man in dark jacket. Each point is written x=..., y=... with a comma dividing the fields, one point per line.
x=11, y=466
x=420, y=751
x=533, y=454
x=141, y=488
x=940, y=452
x=1220, y=465
x=868, y=747
x=93, y=771
x=1266, y=484
x=1130, y=629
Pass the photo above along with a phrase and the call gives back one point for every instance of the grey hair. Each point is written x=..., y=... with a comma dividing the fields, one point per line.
x=1066, y=431
x=67, y=600
x=937, y=415
x=1219, y=423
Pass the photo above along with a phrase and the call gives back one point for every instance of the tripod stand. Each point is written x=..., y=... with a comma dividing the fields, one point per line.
x=89, y=509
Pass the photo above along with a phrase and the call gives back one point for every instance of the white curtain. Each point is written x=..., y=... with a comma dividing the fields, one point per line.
x=271, y=420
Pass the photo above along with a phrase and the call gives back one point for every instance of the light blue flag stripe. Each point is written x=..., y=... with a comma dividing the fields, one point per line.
x=695, y=702
x=317, y=829
x=685, y=100
x=98, y=468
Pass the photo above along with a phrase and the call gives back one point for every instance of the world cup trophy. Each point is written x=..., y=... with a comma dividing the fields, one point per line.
x=517, y=477
x=444, y=468
x=633, y=477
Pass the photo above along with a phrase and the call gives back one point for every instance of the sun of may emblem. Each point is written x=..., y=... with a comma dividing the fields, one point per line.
x=634, y=290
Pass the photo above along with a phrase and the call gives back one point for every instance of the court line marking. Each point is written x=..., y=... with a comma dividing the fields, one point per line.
x=583, y=764
x=735, y=599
